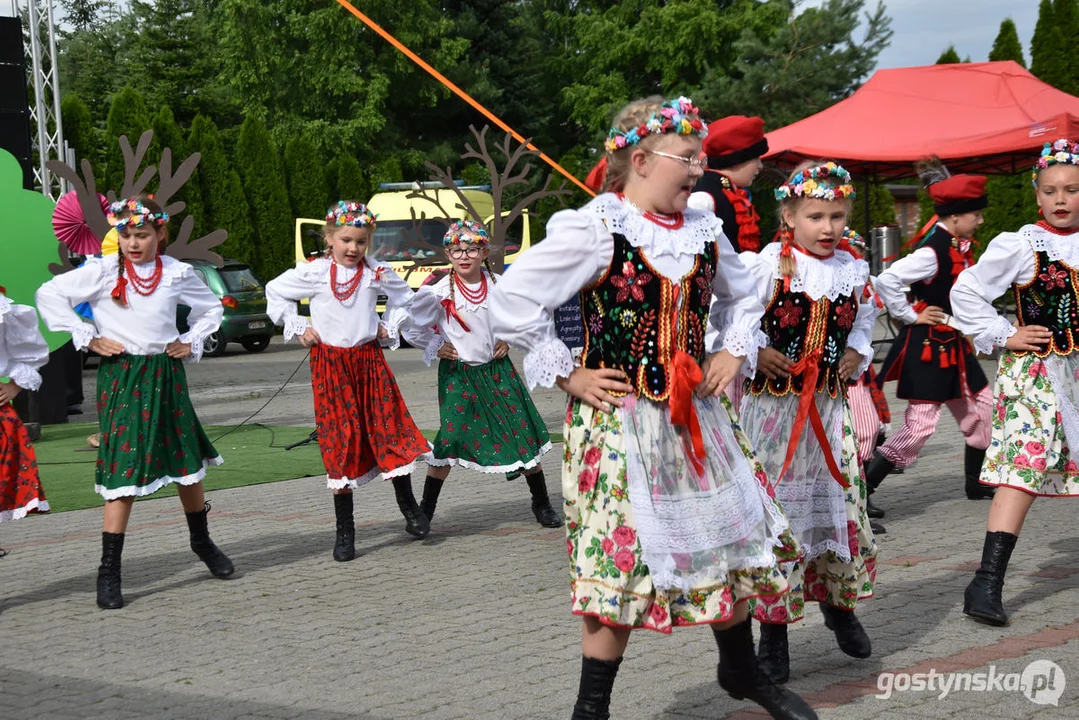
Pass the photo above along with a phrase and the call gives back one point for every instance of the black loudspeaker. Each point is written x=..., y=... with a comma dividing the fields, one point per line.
x=14, y=94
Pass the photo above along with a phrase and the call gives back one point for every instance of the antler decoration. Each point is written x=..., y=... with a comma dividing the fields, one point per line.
x=183, y=247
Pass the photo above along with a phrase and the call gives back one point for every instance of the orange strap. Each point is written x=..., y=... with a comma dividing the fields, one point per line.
x=917, y=236
x=451, y=312
x=685, y=376
x=808, y=367
x=460, y=93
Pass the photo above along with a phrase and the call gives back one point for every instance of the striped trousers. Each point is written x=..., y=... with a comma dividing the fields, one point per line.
x=972, y=412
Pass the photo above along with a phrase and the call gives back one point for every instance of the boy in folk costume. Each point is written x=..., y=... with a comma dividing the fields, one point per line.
x=934, y=364
x=1035, y=420
x=364, y=429
x=734, y=147
x=488, y=420
x=819, y=321
x=653, y=456
x=22, y=353
x=150, y=435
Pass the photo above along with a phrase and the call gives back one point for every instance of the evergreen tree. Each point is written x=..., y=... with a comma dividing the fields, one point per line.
x=949, y=56
x=83, y=14
x=127, y=116
x=1047, y=62
x=168, y=135
x=267, y=195
x=1007, y=45
x=80, y=133
x=1066, y=22
x=881, y=208
x=350, y=181
x=225, y=205
x=306, y=175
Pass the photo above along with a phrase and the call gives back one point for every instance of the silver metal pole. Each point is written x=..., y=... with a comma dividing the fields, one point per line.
x=39, y=99
x=57, y=144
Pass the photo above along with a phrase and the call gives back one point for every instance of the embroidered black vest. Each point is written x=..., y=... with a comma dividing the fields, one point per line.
x=632, y=320
x=1050, y=300
x=796, y=325
x=935, y=291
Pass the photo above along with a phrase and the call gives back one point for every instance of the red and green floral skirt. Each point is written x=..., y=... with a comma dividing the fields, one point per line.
x=20, y=487
x=150, y=435
x=364, y=428
x=488, y=420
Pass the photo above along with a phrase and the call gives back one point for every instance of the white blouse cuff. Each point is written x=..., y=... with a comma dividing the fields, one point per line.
x=430, y=352
x=295, y=326
x=744, y=342
x=547, y=362
x=82, y=334
x=994, y=336
x=391, y=322
x=25, y=377
x=196, y=341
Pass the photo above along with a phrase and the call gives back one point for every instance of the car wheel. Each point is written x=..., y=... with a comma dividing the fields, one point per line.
x=256, y=344
x=213, y=345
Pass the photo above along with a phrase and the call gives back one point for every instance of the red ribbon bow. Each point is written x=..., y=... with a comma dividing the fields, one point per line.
x=119, y=291
x=451, y=312
x=809, y=368
x=685, y=376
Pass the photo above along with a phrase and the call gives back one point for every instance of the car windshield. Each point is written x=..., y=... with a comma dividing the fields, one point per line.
x=239, y=278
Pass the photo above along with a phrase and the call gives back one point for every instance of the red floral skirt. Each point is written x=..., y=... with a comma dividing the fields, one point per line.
x=364, y=428
x=20, y=487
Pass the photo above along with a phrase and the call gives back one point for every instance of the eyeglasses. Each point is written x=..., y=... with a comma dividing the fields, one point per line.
x=472, y=251
x=699, y=163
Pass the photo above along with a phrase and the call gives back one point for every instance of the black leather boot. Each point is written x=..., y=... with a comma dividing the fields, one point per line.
x=594, y=694
x=541, y=504
x=344, y=549
x=982, y=599
x=432, y=486
x=849, y=633
x=877, y=528
x=875, y=471
x=219, y=564
x=740, y=676
x=108, y=575
x=416, y=523
x=773, y=654
x=972, y=465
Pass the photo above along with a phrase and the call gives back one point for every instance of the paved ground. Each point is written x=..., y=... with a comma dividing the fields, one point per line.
x=473, y=622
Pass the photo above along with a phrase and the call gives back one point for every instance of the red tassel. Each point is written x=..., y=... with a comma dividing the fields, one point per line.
x=119, y=291
x=954, y=358
x=927, y=351
x=944, y=364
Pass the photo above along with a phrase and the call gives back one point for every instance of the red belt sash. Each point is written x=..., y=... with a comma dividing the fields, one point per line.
x=809, y=368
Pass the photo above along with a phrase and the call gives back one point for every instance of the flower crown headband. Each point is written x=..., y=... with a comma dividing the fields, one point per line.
x=854, y=238
x=350, y=213
x=1061, y=151
x=467, y=232
x=807, y=184
x=137, y=215
x=673, y=116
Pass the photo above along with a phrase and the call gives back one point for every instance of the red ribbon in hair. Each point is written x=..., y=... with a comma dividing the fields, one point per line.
x=917, y=236
x=3, y=290
x=809, y=368
x=786, y=239
x=685, y=376
x=119, y=290
x=597, y=175
x=451, y=312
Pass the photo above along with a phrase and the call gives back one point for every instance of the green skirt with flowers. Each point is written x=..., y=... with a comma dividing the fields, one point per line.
x=150, y=435
x=488, y=420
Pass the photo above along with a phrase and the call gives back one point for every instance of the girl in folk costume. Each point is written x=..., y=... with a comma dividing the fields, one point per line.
x=819, y=322
x=934, y=364
x=653, y=456
x=150, y=436
x=868, y=407
x=488, y=421
x=1035, y=422
x=734, y=147
x=364, y=429
x=22, y=353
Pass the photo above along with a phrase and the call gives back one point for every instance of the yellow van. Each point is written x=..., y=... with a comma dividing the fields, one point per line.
x=417, y=256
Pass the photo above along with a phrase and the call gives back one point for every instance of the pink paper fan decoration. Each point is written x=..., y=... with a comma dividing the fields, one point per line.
x=70, y=226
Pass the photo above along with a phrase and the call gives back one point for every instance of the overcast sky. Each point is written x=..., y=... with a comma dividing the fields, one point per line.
x=925, y=28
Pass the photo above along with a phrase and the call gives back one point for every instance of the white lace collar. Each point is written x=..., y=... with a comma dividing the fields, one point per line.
x=1058, y=247
x=5, y=306
x=620, y=217
x=442, y=290
x=840, y=275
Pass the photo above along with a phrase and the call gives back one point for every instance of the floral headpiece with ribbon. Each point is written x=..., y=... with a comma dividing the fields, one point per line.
x=468, y=232
x=350, y=213
x=136, y=215
x=674, y=116
x=854, y=239
x=813, y=183
x=1062, y=151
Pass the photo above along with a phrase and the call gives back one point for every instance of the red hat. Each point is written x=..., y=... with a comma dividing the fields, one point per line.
x=958, y=194
x=733, y=140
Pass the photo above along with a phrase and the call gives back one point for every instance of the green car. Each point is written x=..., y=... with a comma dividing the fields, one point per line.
x=244, y=298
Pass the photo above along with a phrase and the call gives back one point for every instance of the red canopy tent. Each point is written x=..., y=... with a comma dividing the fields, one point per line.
x=978, y=117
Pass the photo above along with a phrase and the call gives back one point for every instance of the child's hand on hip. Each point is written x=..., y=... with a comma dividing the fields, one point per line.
x=594, y=387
